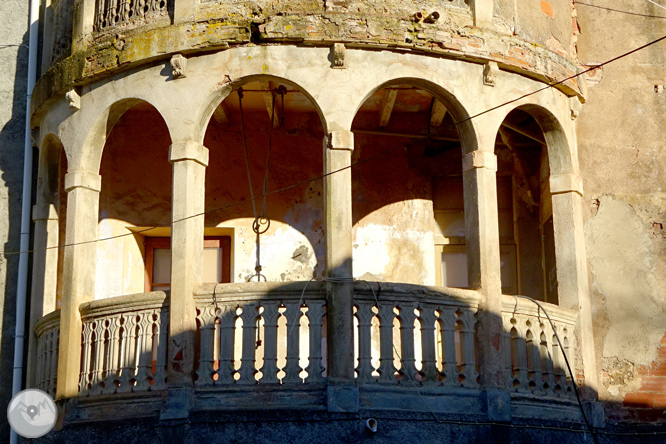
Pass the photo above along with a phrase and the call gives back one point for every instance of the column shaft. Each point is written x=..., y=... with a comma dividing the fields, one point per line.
x=44, y=277
x=189, y=161
x=78, y=280
x=483, y=259
x=340, y=296
x=572, y=283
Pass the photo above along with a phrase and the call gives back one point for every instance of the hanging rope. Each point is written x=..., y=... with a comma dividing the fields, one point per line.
x=261, y=223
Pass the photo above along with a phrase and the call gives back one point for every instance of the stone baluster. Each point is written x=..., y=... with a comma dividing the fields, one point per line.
x=206, y=320
x=292, y=368
x=145, y=343
x=248, y=368
x=112, y=355
x=315, y=316
x=227, y=332
x=84, y=383
x=364, y=368
x=162, y=329
x=98, y=366
x=53, y=360
x=41, y=363
x=428, y=348
x=129, y=365
x=407, y=355
x=386, y=367
x=270, y=369
x=548, y=376
x=447, y=324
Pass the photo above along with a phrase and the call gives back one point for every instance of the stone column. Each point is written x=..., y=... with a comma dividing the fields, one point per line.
x=82, y=23
x=483, y=263
x=44, y=276
x=342, y=396
x=78, y=277
x=189, y=161
x=573, y=290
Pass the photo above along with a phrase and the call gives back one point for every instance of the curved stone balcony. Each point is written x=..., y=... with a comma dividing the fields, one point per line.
x=93, y=39
x=263, y=346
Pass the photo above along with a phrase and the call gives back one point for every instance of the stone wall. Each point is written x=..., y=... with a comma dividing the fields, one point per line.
x=14, y=60
x=621, y=141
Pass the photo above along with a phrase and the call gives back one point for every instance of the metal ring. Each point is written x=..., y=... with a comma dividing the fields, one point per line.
x=258, y=222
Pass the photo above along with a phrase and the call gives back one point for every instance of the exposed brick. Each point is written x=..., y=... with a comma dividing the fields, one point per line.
x=639, y=400
x=660, y=401
x=655, y=384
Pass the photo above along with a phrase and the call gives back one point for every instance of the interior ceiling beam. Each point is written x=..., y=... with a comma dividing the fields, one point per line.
x=412, y=136
x=437, y=113
x=268, y=99
x=530, y=134
x=386, y=107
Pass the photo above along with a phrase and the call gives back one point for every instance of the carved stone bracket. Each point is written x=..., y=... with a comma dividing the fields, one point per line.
x=179, y=66
x=338, y=54
x=73, y=100
x=490, y=71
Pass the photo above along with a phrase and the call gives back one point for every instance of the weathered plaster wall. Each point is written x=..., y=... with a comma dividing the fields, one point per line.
x=13, y=30
x=393, y=233
x=621, y=140
x=293, y=247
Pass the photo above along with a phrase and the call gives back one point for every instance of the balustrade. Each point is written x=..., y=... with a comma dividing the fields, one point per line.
x=48, y=336
x=534, y=359
x=124, y=344
x=115, y=13
x=264, y=334
x=406, y=337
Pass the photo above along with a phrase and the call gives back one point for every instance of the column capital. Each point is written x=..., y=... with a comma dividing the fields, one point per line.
x=340, y=140
x=189, y=150
x=479, y=159
x=566, y=183
x=83, y=179
x=44, y=212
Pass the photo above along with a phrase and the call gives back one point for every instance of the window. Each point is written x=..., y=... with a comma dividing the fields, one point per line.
x=216, y=261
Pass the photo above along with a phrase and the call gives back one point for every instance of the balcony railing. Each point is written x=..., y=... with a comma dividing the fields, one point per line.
x=47, y=330
x=257, y=338
x=534, y=359
x=124, y=344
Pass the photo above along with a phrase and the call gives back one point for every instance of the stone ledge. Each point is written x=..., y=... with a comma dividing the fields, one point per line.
x=125, y=303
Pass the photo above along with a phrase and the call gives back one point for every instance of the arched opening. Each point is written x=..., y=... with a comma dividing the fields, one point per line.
x=50, y=235
x=266, y=136
x=408, y=191
x=135, y=196
x=527, y=239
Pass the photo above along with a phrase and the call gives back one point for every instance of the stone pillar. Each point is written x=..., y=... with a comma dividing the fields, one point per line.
x=82, y=23
x=184, y=10
x=189, y=161
x=573, y=290
x=44, y=276
x=78, y=278
x=342, y=396
x=483, y=259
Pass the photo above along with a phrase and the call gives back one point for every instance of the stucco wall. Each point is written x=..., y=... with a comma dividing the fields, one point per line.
x=621, y=140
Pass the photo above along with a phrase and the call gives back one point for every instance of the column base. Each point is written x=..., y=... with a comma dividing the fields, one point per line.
x=498, y=404
x=177, y=404
x=342, y=398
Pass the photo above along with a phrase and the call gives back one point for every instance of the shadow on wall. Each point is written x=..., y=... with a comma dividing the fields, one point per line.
x=11, y=168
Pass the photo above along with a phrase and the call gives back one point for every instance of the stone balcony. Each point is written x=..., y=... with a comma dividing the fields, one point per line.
x=264, y=346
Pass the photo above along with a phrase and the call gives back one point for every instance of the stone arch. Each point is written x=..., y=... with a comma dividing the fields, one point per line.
x=217, y=97
x=48, y=170
x=465, y=128
x=93, y=145
x=560, y=152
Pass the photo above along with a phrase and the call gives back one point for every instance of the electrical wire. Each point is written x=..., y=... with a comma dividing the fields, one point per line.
x=551, y=85
x=622, y=12
x=657, y=4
